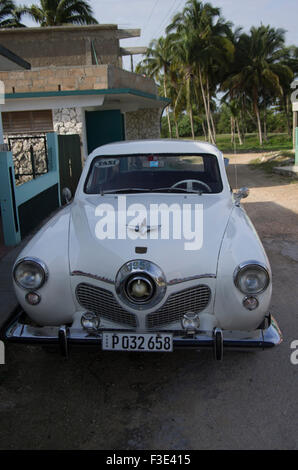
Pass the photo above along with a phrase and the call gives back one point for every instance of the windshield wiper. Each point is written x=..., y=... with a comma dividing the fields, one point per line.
x=174, y=190
x=125, y=190
x=148, y=190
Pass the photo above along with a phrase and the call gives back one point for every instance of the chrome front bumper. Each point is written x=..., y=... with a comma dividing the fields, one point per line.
x=218, y=340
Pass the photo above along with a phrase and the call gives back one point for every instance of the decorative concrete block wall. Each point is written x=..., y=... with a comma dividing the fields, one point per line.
x=143, y=124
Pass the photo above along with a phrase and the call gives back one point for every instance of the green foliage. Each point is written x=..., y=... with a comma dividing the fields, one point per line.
x=224, y=122
x=10, y=15
x=184, y=127
x=276, y=121
x=275, y=142
x=201, y=55
x=60, y=12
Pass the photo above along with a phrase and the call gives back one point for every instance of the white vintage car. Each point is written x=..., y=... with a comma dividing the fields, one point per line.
x=154, y=253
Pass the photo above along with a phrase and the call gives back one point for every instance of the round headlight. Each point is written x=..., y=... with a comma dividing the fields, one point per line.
x=251, y=278
x=30, y=273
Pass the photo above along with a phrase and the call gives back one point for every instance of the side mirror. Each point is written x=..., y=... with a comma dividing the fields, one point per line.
x=66, y=195
x=243, y=193
x=227, y=161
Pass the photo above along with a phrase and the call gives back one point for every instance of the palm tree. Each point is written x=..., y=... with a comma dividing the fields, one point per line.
x=257, y=70
x=202, y=45
x=10, y=15
x=60, y=12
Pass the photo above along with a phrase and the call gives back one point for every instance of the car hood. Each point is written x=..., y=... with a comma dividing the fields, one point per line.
x=103, y=258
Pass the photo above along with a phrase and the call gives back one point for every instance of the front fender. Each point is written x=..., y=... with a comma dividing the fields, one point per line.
x=240, y=244
x=50, y=245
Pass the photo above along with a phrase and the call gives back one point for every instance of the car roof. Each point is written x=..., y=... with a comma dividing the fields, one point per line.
x=155, y=146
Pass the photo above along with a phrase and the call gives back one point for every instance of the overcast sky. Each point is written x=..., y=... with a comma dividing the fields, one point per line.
x=152, y=16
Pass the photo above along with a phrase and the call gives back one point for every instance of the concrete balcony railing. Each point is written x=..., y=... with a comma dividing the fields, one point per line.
x=91, y=77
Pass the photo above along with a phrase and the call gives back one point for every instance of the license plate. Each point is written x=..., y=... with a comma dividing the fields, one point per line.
x=137, y=342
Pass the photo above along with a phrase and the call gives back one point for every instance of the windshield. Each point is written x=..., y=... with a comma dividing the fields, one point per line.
x=157, y=173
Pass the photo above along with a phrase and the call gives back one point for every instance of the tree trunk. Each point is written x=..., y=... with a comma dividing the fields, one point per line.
x=265, y=125
x=176, y=126
x=243, y=124
x=205, y=104
x=167, y=108
x=238, y=131
x=213, y=128
x=189, y=104
x=232, y=130
x=213, y=135
x=257, y=111
x=204, y=129
x=191, y=123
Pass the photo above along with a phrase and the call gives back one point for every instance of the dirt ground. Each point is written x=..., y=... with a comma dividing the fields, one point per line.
x=272, y=193
x=184, y=400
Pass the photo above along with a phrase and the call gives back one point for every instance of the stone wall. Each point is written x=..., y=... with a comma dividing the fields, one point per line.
x=143, y=124
x=68, y=121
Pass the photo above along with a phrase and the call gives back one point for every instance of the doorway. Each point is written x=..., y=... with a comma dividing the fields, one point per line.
x=104, y=127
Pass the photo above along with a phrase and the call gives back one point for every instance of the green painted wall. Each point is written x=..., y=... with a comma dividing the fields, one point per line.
x=40, y=195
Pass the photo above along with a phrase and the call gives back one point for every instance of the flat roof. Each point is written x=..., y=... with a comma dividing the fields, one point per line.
x=122, y=33
x=109, y=91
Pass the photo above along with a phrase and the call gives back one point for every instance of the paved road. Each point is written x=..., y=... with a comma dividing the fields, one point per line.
x=181, y=401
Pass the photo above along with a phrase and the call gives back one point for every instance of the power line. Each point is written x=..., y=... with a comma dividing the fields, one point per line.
x=164, y=21
x=159, y=28
x=150, y=16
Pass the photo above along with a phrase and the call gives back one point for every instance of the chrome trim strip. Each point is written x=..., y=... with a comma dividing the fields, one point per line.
x=92, y=276
x=191, y=278
x=170, y=283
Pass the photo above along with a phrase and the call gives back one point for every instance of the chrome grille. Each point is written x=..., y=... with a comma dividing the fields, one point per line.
x=103, y=303
x=194, y=299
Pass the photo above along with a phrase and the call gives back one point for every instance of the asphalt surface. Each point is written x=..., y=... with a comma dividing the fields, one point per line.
x=183, y=400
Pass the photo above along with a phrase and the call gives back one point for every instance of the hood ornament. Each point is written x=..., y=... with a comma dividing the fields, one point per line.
x=143, y=228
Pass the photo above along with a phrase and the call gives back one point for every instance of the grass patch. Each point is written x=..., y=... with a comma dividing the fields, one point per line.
x=275, y=142
x=257, y=164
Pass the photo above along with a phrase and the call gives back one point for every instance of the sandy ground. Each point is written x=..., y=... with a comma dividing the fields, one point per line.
x=272, y=193
x=184, y=400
